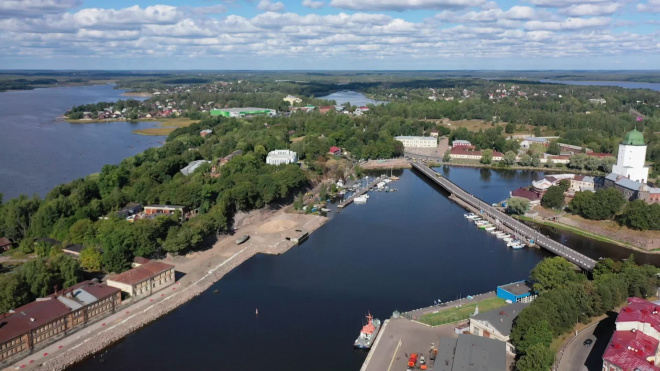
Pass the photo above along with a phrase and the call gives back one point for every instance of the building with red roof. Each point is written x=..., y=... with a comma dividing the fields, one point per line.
x=634, y=344
x=335, y=151
x=533, y=197
x=326, y=109
x=144, y=279
x=38, y=323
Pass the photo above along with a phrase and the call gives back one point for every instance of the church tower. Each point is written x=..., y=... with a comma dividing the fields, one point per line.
x=631, y=158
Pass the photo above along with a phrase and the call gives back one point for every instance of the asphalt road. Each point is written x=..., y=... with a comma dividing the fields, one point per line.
x=578, y=357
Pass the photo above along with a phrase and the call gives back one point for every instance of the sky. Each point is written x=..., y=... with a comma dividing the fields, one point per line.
x=330, y=34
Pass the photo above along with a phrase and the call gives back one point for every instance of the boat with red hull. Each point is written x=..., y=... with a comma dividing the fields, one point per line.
x=368, y=333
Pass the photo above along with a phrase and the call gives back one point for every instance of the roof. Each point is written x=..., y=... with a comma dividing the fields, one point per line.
x=140, y=260
x=4, y=241
x=141, y=273
x=525, y=193
x=470, y=352
x=634, y=138
x=334, y=149
x=461, y=141
x=640, y=310
x=74, y=248
x=164, y=206
x=30, y=317
x=537, y=139
x=628, y=183
x=502, y=318
x=244, y=109
x=518, y=288
x=629, y=350
x=599, y=154
x=415, y=137
x=191, y=167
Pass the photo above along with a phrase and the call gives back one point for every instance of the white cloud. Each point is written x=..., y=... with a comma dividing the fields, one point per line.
x=401, y=5
x=581, y=10
x=651, y=6
x=563, y=3
x=313, y=4
x=268, y=6
x=568, y=24
x=34, y=8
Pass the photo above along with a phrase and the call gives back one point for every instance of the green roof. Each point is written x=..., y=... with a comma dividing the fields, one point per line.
x=634, y=138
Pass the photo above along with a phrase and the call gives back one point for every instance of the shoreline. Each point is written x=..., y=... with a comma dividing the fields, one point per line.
x=586, y=234
x=201, y=275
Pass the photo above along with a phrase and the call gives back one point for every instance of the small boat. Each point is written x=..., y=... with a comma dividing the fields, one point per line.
x=496, y=232
x=470, y=216
x=368, y=333
x=518, y=246
x=503, y=235
x=508, y=239
x=242, y=239
x=361, y=199
x=484, y=226
x=513, y=243
x=492, y=228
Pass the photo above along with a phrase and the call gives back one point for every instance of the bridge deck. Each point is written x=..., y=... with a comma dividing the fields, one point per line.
x=518, y=227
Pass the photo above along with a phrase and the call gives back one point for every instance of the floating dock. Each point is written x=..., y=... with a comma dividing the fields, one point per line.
x=360, y=192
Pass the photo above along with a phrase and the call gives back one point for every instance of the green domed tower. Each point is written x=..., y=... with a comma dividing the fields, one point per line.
x=634, y=138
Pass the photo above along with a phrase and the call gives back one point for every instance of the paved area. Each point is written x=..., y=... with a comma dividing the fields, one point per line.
x=577, y=357
x=414, y=337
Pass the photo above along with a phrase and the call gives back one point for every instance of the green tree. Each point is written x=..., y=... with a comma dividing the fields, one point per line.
x=525, y=160
x=509, y=158
x=536, y=160
x=535, y=333
x=537, y=131
x=517, y=205
x=564, y=184
x=538, y=357
x=447, y=156
x=90, y=259
x=553, y=198
x=553, y=273
x=509, y=129
x=554, y=148
x=486, y=156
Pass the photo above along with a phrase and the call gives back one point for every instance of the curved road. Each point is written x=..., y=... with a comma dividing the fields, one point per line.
x=520, y=228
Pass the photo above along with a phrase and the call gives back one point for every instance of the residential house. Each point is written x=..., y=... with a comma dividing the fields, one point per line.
x=326, y=109
x=144, y=279
x=73, y=250
x=533, y=197
x=497, y=323
x=205, y=132
x=335, y=151
x=434, y=133
x=461, y=143
x=5, y=244
x=191, y=167
x=163, y=209
x=281, y=156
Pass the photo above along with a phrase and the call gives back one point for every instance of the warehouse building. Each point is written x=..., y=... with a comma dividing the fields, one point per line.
x=417, y=142
x=144, y=279
x=517, y=292
x=243, y=112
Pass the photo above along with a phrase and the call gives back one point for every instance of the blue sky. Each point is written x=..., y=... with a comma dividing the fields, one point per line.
x=329, y=34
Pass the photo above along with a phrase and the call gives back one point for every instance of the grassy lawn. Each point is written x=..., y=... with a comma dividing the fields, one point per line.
x=460, y=313
x=167, y=125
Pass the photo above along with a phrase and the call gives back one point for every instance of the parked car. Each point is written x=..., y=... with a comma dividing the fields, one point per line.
x=588, y=342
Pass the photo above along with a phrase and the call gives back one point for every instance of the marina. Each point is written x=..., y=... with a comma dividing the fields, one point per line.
x=359, y=193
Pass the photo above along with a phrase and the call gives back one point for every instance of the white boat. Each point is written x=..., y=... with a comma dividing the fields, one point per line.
x=361, y=199
x=502, y=236
x=508, y=239
x=518, y=246
x=513, y=243
x=491, y=229
x=470, y=216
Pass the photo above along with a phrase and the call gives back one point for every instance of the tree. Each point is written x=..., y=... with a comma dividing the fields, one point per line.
x=90, y=259
x=486, y=156
x=536, y=160
x=509, y=129
x=525, y=160
x=549, y=163
x=564, y=184
x=607, y=163
x=538, y=357
x=554, y=148
x=553, y=273
x=537, y=131
x=447, y=156
x=536, y=332
x=553, y=198
x=509, y=158
x=517, y=205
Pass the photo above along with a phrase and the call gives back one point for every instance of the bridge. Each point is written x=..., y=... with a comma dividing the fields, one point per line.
x=518, y=228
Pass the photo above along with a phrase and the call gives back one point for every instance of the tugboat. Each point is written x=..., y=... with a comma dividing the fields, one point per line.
x=368, y=333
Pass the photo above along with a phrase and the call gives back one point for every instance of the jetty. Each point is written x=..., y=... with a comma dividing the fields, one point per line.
x=360, y=192
x=500, y=219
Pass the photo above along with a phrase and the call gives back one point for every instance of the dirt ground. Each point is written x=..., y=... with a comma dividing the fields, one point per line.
x=645, y=240
x=397, y=163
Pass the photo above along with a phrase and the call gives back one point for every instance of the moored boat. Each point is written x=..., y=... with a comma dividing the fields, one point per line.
x=491, y=228
x=484, y=226
x=368, y=333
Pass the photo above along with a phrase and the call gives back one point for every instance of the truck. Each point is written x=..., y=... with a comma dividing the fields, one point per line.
x=412, y=361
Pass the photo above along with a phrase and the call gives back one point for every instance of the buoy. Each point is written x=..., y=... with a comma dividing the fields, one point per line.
x=257, y=311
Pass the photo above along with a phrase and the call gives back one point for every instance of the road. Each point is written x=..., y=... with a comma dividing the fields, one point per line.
x=577, y=357
x=519, y=228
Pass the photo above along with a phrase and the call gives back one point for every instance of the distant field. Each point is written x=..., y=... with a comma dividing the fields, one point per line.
x=167, y=126
x=461, y=313
x=471, y=125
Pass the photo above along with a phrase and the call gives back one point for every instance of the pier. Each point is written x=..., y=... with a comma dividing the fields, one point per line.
x=360, y=192
x=500, y=219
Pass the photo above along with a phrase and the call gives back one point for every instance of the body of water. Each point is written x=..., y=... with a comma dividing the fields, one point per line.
x=400, y=251
x=621, y=84
x=355, y=98
x=40, y=151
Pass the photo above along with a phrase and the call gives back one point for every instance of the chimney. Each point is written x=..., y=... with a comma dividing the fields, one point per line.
x=31, y=319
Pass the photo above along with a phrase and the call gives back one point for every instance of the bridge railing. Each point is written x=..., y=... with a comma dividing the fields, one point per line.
x=519, y=227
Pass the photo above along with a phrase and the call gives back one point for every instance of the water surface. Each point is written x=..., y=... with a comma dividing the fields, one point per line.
x=40, y=151
x=621, y=84
x=355, y=98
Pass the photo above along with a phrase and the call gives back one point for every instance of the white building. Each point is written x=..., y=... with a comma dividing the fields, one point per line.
x=417, y=142
x=292, y=100
x=281, y=156
x=193, y=166
x=631, y=159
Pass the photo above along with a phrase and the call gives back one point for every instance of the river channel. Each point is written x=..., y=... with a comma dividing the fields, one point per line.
x=40, y=151
x=399, y=251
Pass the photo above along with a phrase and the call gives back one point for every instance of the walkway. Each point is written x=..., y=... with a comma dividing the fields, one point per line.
x=518, y=227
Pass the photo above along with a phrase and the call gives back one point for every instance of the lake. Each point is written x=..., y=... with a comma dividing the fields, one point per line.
x=355, y=98
x=40, y=151
x=400, y=251
x=621, y=84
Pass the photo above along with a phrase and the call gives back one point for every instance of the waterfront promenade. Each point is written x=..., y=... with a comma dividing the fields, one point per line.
x=520, y=229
